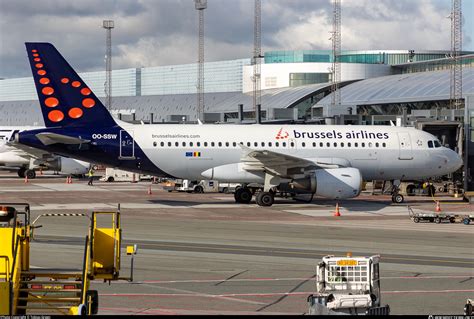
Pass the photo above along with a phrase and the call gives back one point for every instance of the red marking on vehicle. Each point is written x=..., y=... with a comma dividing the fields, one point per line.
x=41, y=72
x=47, y=90
x=36, y=59
x=56, y=116
x=34, y=50
x=282, y=135
x=65, y=80
x=39, y=65
x=35, y=54
x=51, y=102
x=75, y=113
x=88, y=103
x=76, y=84
x=44, y=81
x=85, y=91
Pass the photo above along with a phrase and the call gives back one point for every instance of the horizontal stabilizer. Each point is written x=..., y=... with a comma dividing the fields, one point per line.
x=53, y=138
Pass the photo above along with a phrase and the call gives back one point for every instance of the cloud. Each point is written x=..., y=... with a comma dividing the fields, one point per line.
x=163, y=32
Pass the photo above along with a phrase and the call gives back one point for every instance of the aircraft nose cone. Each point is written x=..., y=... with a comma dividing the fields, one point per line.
x=208, y=174
x=455, y=161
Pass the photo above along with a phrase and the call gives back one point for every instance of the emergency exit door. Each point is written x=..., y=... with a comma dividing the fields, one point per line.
x=405, y=149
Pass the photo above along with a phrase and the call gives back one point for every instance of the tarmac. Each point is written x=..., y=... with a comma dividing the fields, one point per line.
x=204, y=254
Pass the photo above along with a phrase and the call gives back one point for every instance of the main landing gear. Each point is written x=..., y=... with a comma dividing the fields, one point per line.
x=243, y=195
x=22, y=172
x=265, y=198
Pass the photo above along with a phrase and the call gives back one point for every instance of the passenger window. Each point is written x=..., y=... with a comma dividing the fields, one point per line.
x=198, y=144
x=277, y=144
x=255, y=144
x=176, y=144
x=162, y=144
x=227, y=144
x=269, y=144
x=356, y=144
x=377, y=144
x=303, y=144
x=342, y=144
x=248, y=144
x=184, y=144
x=169, y=144
x=349, y=144
x=384, y=145
x=314, y=144
x=430, y=144
x=213, y=144
x=363, y=144
x=283, y=144
x=205, y=144
x=219, y=144
x=234, y=144
x=370, y=144
x=328, y=144
x=335, y=144
x=321, y=144
x=191, y=144
x=263, y=144
x=154, y=144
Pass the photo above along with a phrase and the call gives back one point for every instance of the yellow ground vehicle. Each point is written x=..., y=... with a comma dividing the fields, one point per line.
x=52, y=291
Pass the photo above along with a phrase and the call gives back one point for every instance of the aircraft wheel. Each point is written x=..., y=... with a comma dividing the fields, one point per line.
x=416, y=220
x=466, y=221
x=437, y=220
x=31, y=174
x=243, y=196
x=398, y=198
x=265, y=199
x=21, y=172
x=110, y=179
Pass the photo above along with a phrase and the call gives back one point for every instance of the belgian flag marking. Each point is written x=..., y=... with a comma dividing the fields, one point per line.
x=193, y=154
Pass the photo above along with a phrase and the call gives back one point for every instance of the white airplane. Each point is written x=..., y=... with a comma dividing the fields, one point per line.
x=25, y=160
x=328, y=161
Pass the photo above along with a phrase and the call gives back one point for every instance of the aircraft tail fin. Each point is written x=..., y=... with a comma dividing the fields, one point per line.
x=64, y=97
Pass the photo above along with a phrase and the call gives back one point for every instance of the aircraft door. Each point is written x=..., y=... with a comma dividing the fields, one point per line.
x=127, y=145
x=405, y=149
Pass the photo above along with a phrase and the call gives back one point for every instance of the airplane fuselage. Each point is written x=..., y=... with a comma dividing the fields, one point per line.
x=187, y=151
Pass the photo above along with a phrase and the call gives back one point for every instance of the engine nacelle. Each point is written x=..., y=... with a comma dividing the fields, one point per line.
x=233, y=173
x=334, y=183
x=72, y=166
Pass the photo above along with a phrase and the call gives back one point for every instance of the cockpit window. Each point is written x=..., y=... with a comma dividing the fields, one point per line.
x=430, y=144
x=437, y=143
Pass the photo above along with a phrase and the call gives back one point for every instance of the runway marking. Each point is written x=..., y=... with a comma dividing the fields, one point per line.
x=280, y=279
x=311, y=254
x=270, y=294
x=195, y=292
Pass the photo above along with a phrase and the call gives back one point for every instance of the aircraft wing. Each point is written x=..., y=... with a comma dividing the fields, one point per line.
x=285, y=165
x=27, y=152
x=53, y=138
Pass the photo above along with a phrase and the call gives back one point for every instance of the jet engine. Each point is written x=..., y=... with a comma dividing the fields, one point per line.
x=70, y=166
x=334, y=183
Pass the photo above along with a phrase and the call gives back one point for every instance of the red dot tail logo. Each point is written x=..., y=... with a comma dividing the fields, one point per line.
x=282, y=134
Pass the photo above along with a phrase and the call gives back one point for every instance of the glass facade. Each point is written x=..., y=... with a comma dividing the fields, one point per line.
x=433, y=65
x=298, y=79
x=222, y=76
x=389, y=57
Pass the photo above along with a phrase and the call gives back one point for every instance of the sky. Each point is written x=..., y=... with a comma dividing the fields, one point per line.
x=164, y=32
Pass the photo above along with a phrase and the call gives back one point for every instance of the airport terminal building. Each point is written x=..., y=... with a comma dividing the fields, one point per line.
x=295, y=85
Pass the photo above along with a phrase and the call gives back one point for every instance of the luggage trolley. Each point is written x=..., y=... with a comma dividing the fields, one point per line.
x=430, y=217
